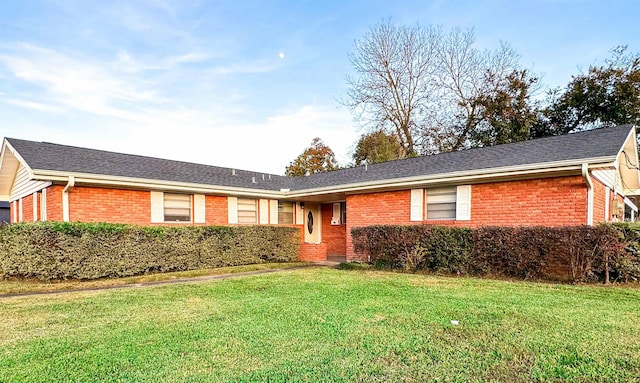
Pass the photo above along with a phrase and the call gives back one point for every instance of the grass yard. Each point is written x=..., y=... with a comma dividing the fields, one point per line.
x=325, y=325
x=17, y=286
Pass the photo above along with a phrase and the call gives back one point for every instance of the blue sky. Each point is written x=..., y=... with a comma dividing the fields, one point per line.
x=205, y=81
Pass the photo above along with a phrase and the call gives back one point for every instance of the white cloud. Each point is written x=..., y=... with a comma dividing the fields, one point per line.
x=34, y=105
x=114, y=106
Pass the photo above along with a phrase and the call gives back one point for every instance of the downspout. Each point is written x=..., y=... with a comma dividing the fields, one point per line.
x=65, y=198
x=587, y=178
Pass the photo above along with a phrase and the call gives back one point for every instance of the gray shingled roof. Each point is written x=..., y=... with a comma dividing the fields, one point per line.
x=48, y=156
x=596, y=143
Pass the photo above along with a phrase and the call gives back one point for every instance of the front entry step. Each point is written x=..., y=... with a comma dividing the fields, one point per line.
x=337, y=258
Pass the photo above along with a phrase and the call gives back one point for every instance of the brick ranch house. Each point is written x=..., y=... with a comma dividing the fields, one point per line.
x=575, y=179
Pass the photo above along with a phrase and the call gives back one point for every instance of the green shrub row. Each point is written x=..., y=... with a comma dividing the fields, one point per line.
x=578, y=253
x=54, y=250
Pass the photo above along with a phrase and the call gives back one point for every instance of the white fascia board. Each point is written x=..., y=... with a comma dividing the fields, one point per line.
x=632, y=133
x=138, y=183
x=459, y=177
x=406, y=182
x=30, y=191
x=630, y=204
x=17, y=155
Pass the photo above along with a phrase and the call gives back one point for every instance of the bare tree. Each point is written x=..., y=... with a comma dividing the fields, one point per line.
x=395, y=66
x=465, y=74
x=421, y=84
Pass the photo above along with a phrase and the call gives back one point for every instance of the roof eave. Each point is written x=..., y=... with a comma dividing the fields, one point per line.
x=461, y=176
x=394, y=183
x=141, y=183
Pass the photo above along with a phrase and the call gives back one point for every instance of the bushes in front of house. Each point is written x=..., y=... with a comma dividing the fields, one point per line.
x=577, y=253
x=55, y=250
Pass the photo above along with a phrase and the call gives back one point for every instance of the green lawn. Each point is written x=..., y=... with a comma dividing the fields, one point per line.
x=325, y=325
x=17, y=286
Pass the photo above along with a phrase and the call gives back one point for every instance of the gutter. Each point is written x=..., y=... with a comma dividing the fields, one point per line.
x=391, y=183
x=587, y=178
x=65, y=198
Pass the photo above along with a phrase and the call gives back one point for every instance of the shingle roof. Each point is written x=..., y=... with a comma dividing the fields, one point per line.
x=603, y=142
x=48, y=156
x=591, y=144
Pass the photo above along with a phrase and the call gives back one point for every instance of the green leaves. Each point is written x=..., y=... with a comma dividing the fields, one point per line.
x=62, y=250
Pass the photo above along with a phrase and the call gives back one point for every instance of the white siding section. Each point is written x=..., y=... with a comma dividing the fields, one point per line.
x=233, y=209
x=273, y=211
x=157, y=207
x=417, y=204
x=264, y=211
x=463, y=203
x=199, y=215
x=609, y=177
x=14, y=212
x=23, y=185
x=299, y=214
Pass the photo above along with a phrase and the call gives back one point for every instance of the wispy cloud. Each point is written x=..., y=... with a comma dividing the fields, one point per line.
x=33, y=105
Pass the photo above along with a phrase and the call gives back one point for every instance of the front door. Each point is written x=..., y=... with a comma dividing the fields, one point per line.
x=312, y=224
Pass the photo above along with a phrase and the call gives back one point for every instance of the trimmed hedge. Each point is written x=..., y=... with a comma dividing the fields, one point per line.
x=54, y=250
x=577, y=253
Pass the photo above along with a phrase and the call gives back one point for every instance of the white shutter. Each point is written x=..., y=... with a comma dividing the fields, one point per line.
x=264, y=211
x=273, y=211
x=335, y=219
x=20, y=210
x=417, y=204
x=157, y=207
x=35, y=206
x=232, y=208
x=299, y=214
x=199, y=215
x=463, y=203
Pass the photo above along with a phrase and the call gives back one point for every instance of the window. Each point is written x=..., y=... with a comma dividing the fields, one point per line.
x=247, y=210
x=177, y=207
x=285, y=212
x=441, y=203
x=339, y=213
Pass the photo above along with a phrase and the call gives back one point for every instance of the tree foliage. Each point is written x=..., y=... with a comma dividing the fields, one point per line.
x=423, y=85
x=377, y=147
x=316, y=158
x=606, y=95
x=508, y=113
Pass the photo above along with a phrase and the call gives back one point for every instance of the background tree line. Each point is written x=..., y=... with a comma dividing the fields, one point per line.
x=424, y=90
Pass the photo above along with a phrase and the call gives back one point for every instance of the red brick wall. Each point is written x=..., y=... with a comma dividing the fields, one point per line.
x=54, y=203
x=599, y=198
x=88, y=204
x=27, y=208
x=13, y=206
x=549, y=201
x=335, y=236
x=312, y=252
x=216, y=210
